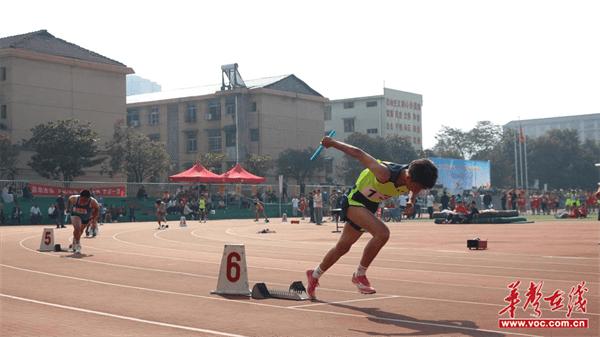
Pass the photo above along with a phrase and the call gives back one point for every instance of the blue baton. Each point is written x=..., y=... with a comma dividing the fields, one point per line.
x=320, y=148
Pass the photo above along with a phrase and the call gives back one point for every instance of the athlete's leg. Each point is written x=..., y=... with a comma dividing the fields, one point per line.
x=381, y=233
x=349, y=236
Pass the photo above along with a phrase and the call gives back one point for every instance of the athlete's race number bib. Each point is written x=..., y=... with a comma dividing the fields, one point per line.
x=372, y=194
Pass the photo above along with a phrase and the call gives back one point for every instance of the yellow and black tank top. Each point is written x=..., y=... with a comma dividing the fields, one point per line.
x=368, y=192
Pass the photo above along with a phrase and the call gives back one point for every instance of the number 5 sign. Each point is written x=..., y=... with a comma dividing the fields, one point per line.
x=47, y=243
x=233, y=275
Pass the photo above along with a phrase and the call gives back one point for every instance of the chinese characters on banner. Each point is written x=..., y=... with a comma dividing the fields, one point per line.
x=45, y=190
x=576, y=300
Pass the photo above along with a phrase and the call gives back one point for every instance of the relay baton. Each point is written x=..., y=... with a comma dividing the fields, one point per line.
x=320, y=148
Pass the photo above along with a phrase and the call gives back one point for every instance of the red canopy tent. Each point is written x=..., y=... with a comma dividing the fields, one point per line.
x=237, y=174
x=197, y=174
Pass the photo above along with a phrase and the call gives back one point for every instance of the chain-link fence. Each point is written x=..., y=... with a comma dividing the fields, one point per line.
x=29, y=202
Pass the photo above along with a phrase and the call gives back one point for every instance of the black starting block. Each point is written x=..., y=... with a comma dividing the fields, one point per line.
x=57, y=248
x=296, y=292
x=476, y=244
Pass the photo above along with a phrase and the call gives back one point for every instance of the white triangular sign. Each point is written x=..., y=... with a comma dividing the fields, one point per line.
x=47, y=243
x=233, y=274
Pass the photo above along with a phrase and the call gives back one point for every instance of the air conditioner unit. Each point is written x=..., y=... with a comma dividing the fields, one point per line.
x=135, y=124
x=209, y=117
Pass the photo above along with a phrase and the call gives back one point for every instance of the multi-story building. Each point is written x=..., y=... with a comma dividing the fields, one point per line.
x=272, y=115
x=395, y=113
x=587, y=126
x=44, y=78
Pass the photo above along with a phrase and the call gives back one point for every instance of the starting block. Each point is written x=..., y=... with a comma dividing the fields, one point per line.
x=477, y=244
x=296, y=292
x=295, y=221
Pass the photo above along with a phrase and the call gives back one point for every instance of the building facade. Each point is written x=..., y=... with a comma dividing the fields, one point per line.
x=395, y=113
x=587, y=126
x=44, y=78
x=265, y=117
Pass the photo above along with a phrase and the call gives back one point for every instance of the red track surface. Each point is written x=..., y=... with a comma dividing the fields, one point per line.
x=133, y=280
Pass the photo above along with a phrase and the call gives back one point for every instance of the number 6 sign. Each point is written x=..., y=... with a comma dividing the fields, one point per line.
x=233, y=275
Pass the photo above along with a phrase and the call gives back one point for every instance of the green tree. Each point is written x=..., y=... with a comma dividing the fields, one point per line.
x=455, y=143
x=296, y=164
x=395, y=149
x=8, y=158
x=560, y=160
x=135, y=155
x=259, y=165
x=212, y=161
x=63, y=149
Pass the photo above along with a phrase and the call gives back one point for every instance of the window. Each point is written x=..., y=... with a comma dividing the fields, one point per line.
x=133, y=118
x=190, y=114
x=191, y=141
x=349, y=105
x=3, y=111
x=2, y=73
x=155, y=137
x=371, y=131
x=154, y=116
x=214, y=140
x=348, y=124
x=230, y=137
x=254, y=135
x=230, y=105
x=371, y=104
x=328, y=112
x=253, y=107
x=214, y=111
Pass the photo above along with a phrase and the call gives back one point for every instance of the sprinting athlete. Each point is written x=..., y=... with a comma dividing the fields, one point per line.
x=161, y=214
x=84, y=210
x=378, y=182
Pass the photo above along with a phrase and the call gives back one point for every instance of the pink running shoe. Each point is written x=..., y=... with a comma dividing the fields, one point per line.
x=313, y=283
x=363, y=284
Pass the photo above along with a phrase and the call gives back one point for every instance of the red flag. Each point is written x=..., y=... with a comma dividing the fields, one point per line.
x=521, y=135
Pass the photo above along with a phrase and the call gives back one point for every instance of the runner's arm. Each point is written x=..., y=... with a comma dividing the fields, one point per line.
x=381, y=172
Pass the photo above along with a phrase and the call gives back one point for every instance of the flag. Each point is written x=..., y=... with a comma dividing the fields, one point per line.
x=521, y=135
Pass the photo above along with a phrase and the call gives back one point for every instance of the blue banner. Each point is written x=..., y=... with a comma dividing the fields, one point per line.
x=457, y=175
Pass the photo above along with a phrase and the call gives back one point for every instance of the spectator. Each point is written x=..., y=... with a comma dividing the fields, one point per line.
x=429, y=203
x=17, y=213
x=27, y=194
x=487, y=200
x=444, y=200
x=302, y=207
x=60, y=210
x=318, y=201
x=141, y=193
x=52, y=213
x=295, y=202
x=311, y=206
x=503, y=200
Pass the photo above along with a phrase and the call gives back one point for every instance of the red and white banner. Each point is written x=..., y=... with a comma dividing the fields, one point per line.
x=45, y=190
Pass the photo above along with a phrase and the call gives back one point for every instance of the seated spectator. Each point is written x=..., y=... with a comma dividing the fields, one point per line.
x=141, y=193
x=27, y=194
x=17, y=213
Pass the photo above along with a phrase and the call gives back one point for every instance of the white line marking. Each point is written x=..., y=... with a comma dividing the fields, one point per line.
x=245, y=302
x=127, y=318
x=378, y=267
x=340, y=302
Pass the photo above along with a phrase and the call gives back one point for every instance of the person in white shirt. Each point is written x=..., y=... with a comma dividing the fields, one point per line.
x=36, y=214
x=295, y=202
x=429, y=203
x=318, y=200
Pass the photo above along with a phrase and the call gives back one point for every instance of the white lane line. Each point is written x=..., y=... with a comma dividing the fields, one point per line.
x=288, y=242
x=127, y=318
x=433, y=299
x=266, y=305
x=371, y=299
x=378, y=267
